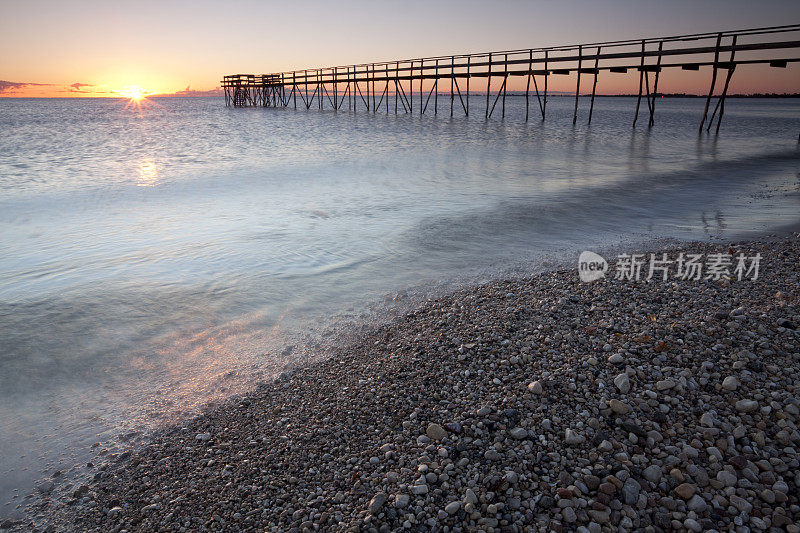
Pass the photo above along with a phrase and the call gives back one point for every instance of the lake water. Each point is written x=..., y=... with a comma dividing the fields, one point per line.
x=157, y=258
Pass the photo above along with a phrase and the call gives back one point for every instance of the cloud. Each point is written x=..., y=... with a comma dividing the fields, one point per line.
x=77, y=87
x=14, y=86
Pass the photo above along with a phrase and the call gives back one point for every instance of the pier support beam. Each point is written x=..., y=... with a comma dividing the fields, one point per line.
x=578, y=84
x=594, y=84
x=713, y=82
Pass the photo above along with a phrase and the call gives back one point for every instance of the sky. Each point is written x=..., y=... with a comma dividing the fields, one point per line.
x=111, y=48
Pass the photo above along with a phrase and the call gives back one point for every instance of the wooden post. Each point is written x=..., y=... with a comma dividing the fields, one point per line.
x=421, y=75
x=396, y=80
x=594, y=85
x=731, y=68
x=578, y=86
x=546, y=74
x=436, y=88
x=488, y=85
x=528, y=84
x=641, y=80
x=505, y=87
x=655, y=85
x=469, y=59
x=411, y=89
x=713, y=82
x=452, y=81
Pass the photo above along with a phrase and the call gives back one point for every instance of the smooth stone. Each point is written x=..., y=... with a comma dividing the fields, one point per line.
x=697, y=504
x=665, y=384
x=616, y=359
x=452, y=508
x=470, y=497
x=418, y=490
x=492, y=455
x=652, y=474
x=401, y=501
x=726, y=478
x=685, y=490
x=740, y=503
x=435, y=432
x=692, y=525
x=535, y=387
x=572, y=438
x=746, y=406
x=619, y=407
x=376, y=503
x=518, y=433
x=623, y=383
x=630, y=491
x=730, y=383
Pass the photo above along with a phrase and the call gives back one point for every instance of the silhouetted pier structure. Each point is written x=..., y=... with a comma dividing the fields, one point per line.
x=370, y=85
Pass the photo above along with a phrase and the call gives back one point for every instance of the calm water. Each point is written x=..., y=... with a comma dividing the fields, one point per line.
x=154, y=259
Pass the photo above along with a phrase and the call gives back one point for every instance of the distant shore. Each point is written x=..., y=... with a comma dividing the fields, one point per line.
x=542, y=403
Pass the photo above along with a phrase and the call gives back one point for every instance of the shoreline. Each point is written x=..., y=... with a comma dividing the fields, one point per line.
x=438, y=412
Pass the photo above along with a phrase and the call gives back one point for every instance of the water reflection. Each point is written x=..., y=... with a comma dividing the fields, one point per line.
x=148, y=174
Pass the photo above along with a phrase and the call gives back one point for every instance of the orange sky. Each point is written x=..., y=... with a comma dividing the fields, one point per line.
x=108, y=48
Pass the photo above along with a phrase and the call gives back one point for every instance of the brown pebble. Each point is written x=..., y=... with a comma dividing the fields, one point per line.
x=685, y=490
x=608, y=488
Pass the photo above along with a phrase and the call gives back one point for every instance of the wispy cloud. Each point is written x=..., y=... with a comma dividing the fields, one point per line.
x=14, y=86
x=77, y=87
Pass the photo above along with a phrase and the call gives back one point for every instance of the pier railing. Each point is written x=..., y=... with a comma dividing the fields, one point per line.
x=371, y=84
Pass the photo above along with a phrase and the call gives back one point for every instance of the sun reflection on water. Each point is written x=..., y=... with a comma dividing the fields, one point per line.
x=148, y=174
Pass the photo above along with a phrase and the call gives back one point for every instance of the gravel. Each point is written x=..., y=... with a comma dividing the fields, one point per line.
x=530, y=404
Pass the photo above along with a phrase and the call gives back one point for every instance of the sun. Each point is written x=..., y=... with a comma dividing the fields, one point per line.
x=133, y=92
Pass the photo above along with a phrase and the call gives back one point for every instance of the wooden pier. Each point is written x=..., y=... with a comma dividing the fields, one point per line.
x=370, y=87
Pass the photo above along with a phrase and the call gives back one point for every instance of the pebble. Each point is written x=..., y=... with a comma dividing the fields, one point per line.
x=518, y=433
x=665, y=384
x=623, y=383
x=630, y=491
x=535, y=387
x=730, y=383
x=452, y=508
x=616, y=359
x=419, y=490
x=746, y=406
x=435, y=432
x=666, y=442
x=401, y=501
x=652, y=473
x=572, y=438
x=619, y=407
x=685, y=490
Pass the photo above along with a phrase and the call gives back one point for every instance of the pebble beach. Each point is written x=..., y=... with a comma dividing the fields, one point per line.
x=533, y=404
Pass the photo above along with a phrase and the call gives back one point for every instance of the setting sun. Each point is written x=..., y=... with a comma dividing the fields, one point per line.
x=134, y=92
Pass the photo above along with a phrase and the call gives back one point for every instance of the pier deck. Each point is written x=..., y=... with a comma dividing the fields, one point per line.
x=369, y=86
